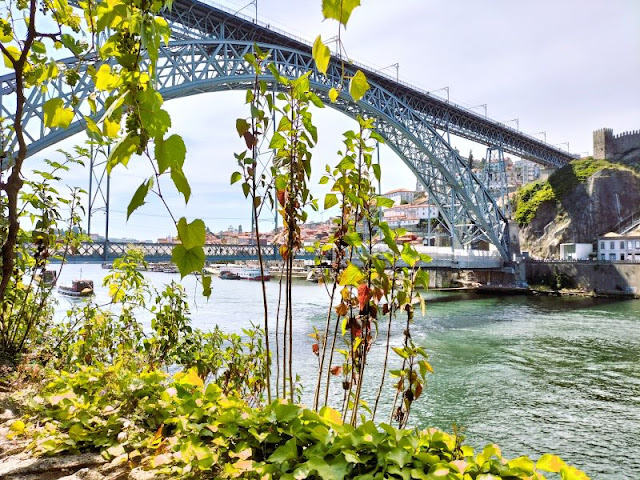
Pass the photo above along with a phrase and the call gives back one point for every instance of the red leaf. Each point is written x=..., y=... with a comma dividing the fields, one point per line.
x=418, y=391
x=336, y=370
x=249, y=139
x=316, y=348
x=364, y=294
x=281, y=197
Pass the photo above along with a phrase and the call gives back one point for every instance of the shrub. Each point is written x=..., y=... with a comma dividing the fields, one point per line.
x=186, y=429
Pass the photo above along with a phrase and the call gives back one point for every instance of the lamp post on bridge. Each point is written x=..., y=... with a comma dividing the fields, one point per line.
x=562, y=143
x=517, y=120
x=483, y=105
x=252, y=2
x=393, y=65
x=439, y=90
x=543, y=134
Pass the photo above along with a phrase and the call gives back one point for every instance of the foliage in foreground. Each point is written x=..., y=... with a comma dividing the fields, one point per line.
x=183, y=428
x=560, y=184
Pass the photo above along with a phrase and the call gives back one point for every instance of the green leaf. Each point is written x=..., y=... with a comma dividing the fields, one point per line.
x=277, y=141
x=121, y=154
x=351, y=276
x=281, y=182
x=188, y=261
x=330, y=200
x=399, y=455
x=339, y=9
x=550, y=463
x=321, y=55
x=384, y=201
x=235, y=177
x=358, y=86
x=242, y=126
x=334, y=470
x=191, y=234
x=14, y=54
x=353, y=239
x=422, y=278
x=56, y=115
x=285, y=452
x=206, y=285
x=105, y=80
x=170, y=153
x=139, y=197
x=181, y=183
x=333, y=95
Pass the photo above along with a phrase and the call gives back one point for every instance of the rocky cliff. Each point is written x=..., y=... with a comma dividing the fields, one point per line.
x=576, y=204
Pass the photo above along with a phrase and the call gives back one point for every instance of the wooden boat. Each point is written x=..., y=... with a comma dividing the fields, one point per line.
x=78, y=288
x=229, y=275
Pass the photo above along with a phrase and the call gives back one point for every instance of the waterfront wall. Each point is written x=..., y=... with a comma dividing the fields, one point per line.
x=603, y=278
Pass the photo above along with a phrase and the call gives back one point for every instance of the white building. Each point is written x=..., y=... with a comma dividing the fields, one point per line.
x=575, y=251
x=400, y=196
x=616, y=247
x=409, y=215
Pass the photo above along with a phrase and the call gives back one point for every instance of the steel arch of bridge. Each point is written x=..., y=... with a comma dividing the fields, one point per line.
x=190, y=67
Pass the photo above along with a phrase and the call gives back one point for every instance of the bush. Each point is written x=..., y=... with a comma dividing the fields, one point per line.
x=186, y=429
x=560, y=184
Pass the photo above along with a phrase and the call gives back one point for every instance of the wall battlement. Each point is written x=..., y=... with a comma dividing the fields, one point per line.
x=608, y=146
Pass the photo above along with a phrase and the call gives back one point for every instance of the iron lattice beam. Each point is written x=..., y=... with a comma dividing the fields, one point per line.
x=191, y=19
x=196, y=66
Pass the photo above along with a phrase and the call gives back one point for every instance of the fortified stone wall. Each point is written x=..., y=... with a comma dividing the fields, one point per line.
x=608, y=146
x=601, y=278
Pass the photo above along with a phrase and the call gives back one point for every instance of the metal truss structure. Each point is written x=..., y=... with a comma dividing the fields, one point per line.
x=494, y=177
x=208, y=55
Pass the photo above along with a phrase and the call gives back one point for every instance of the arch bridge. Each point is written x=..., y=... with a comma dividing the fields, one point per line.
x=206, y=54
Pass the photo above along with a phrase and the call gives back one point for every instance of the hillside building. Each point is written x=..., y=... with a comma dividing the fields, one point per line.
x=616, y=247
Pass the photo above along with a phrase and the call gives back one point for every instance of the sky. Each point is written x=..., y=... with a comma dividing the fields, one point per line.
x=561, y=67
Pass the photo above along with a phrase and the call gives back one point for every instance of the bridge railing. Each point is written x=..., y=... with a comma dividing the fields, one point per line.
x=111, y=250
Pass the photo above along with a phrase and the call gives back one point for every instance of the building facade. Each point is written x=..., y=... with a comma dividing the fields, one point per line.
x=615, y=247
x=400, y=196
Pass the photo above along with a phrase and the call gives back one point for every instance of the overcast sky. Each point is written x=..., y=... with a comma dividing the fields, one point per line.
x=564, y=67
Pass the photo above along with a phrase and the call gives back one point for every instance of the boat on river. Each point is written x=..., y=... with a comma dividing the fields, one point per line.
x=244, y=273
x=78, y=289
x=228, y=275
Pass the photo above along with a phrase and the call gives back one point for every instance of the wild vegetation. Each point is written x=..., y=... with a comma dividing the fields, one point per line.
x=559, y=184
x=98, y=380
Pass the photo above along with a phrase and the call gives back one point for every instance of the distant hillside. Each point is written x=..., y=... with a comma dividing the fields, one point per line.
x=576, y=204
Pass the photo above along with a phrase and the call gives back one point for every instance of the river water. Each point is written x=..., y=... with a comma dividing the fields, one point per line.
x=533, y=374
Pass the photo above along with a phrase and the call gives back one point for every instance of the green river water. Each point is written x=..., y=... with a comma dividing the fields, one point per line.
x=533, y=374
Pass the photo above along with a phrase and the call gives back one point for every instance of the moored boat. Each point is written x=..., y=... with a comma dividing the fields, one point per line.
x=228, y=275
x=78, y=288
x=244, y=273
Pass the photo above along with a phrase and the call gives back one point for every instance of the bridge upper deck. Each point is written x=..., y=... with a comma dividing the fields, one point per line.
x=194, y=19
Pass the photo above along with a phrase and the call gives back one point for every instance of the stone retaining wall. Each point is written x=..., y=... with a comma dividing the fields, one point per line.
x=604, y=278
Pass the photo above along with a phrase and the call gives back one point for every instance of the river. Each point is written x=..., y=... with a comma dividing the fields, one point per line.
x=533, y=374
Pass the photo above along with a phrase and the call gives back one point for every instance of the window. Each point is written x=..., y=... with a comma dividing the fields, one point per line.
x=612, y=245
x=601, y=245
x=629, y=245
x=612, y=256
x=637, y=243
x=622, y=256
x=622, y=244
x=603, y=256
